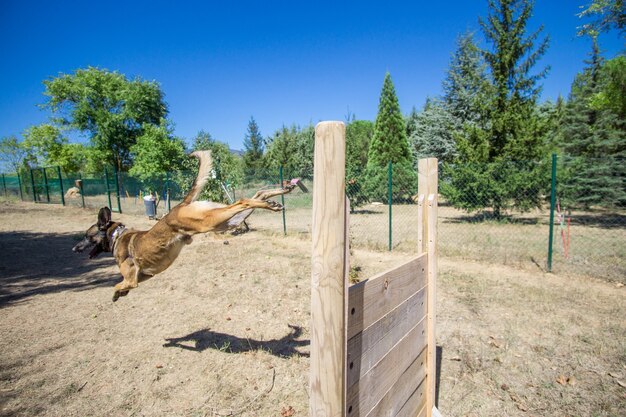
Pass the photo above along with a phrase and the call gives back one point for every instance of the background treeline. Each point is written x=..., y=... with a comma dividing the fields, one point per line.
x=489, y=128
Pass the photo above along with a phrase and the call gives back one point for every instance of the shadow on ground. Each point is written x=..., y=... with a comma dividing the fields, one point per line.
x=207, y=339
x=43, y=263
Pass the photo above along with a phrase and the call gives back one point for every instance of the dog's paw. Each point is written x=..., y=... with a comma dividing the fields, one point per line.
x=118, y=294
x=274, y=206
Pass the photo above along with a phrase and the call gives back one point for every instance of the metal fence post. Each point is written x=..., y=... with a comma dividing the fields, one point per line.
x=106, y=184
x=82, y=189
x=19, y=184
x=282, y=197
x=167, y=188
x=45, y=181
x=61, y=185
x=117, y=190
x=389, y=200
x=32, y=183
x=552, y=204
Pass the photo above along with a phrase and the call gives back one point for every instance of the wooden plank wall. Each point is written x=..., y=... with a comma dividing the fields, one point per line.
x=387, y=338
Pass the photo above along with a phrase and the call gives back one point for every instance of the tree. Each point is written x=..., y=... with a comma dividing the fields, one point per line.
x=389, y=144
x=111, y=109
x=12, y=153
x=501, y=159
x=433, y=133
x=611, y=93
x=359, y=134
x=605, y=14
x=47, y=146
x=253, y=149
x=156, y=152
x=466, y=86
x=282, y=147
x=228, y=170
x=593, y=141
x=510, y=62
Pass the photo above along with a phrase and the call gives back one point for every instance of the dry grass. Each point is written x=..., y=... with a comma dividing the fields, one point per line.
x=224, y=331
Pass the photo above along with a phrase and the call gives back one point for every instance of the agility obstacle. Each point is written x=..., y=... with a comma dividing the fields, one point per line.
x=373, y=343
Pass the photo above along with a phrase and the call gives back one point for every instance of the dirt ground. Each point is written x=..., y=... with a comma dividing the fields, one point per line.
x=224, y=331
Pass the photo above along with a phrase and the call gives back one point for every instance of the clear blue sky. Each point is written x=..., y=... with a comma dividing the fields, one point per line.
x=282, y=62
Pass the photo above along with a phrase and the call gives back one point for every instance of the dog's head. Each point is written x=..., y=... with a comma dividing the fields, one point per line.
x=96, y=235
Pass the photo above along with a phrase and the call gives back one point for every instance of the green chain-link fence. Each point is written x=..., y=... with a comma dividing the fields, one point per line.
x=496, y=213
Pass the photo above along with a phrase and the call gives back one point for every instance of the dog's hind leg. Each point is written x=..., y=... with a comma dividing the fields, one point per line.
x=202, y=218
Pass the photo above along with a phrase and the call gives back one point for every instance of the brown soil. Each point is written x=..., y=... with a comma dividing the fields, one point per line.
x=224, y=331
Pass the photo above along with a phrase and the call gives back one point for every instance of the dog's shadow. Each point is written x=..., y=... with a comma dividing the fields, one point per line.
x=204, y=339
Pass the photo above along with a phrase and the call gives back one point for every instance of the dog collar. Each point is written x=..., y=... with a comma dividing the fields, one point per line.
x=119, y=230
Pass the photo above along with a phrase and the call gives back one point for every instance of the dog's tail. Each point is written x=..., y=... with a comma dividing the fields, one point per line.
x=204, y=173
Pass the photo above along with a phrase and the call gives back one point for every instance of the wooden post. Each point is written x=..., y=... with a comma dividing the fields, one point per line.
x=328, y=273
x=427, y=241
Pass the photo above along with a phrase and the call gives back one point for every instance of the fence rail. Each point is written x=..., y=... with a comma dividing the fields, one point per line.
x=589, y=235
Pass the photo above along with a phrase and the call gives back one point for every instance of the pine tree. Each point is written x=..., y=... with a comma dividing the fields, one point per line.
x=501, y=157
x=594, y=142
x=432, y=133
x=253, y=150
x=466, y=85
x=389, y=144
x=358, y=138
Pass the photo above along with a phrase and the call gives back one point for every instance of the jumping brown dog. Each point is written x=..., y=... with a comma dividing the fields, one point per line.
x=141, y=255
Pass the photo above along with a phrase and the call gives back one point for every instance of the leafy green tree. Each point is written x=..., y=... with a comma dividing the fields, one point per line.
x=107, y=106
x=253, y=144
x=228, y=169
x=611, y=93
x=303, y=157
x=359, y=135
x=12, y=153
x=156, y=152
x=48, y=147
x=282, y=148
x=389, y=144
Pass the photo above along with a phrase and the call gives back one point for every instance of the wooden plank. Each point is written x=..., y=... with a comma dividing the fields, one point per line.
x=373, y=386
x=417, y=404
x=432, y=300
x=368, y=347
x=428, y=186
x=370, y=300
x=328, y=281
x=401, y=391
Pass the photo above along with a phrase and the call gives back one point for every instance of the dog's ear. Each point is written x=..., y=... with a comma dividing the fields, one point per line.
x=104, y=217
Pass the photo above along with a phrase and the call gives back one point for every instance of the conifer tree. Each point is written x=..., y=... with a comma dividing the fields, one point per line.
x=389, y=144
x=433, y=135
x=593, y=142
x=253, y=150
x=501, y=155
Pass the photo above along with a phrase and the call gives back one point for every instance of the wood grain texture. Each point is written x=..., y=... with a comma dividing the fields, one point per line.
x=367, y=348
x=328, y=279
x=371, y=299
x=375, y=384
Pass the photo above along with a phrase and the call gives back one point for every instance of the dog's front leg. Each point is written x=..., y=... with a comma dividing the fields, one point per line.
x=130, y=274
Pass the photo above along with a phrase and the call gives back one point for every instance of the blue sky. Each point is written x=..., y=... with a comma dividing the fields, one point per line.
x=282, y=62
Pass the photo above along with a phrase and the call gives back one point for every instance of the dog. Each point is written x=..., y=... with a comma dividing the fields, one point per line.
x=140, y=255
